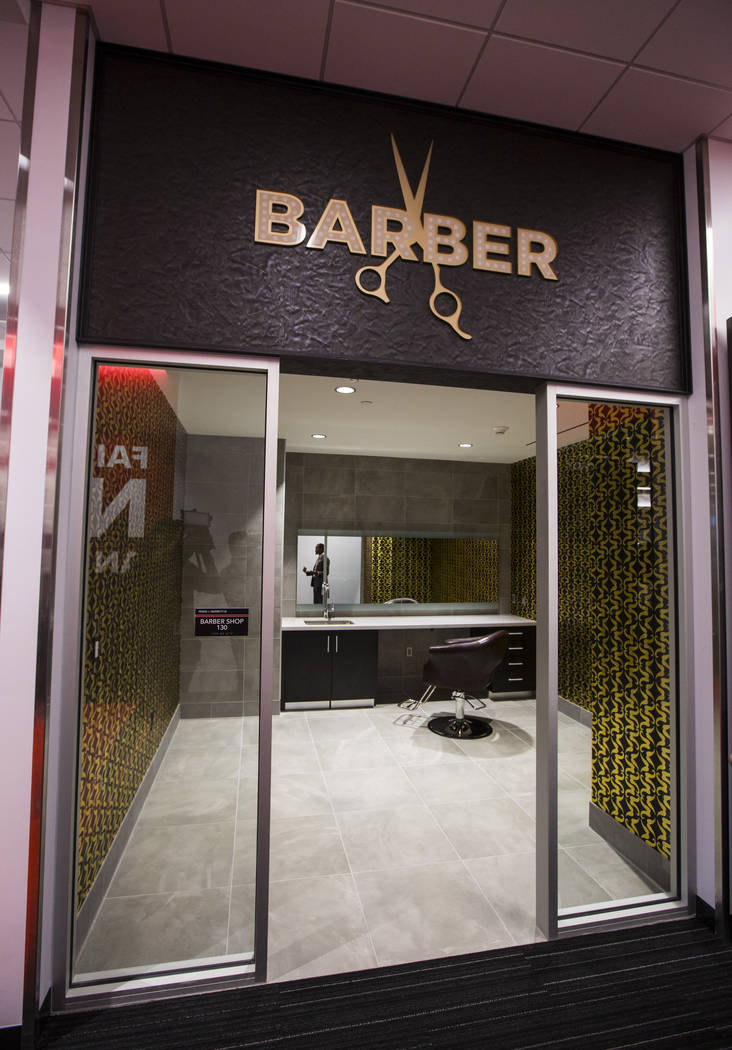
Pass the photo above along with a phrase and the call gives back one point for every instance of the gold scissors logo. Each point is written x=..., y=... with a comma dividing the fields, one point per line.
x=413, y=203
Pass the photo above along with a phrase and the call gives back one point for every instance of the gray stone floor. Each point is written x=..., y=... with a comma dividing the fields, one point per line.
x=389, y=844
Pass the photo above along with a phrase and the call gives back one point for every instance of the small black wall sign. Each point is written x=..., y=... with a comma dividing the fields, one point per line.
x=221, y=623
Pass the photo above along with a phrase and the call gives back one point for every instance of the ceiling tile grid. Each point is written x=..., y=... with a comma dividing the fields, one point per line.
x=532, y=82
x=583, y=65
x=401, y=54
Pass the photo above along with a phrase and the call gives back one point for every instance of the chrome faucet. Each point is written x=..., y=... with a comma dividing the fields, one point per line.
x=328, y=603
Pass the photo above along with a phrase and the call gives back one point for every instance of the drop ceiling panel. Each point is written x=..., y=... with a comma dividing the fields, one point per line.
x=695, y=42
x=477, y=13
x=137, y=23
x=284, y=36
x=400, y=53
x=613, y=28
x=659, y=110
x=13, y=43
x=542, y=84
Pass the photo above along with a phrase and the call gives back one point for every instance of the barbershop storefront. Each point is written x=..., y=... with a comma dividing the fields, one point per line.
x=507, y=306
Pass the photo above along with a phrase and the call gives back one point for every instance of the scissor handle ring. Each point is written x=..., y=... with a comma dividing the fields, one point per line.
x=453, y=318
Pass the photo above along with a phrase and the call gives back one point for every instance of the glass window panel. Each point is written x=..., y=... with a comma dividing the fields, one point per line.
x=167, y=789
x=615, y=551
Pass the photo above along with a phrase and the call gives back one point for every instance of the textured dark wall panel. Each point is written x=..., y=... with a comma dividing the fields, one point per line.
x=179, y=150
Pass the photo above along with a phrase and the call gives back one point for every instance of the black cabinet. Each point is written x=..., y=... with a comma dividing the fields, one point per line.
x=517, y=673
x=325, y=667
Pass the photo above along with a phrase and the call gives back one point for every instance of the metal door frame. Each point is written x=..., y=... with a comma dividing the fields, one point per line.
x=63, y=744
x=548, y=920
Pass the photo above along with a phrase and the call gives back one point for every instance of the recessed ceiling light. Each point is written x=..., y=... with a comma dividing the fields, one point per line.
x=500, y=429
x=4, y=288
x=345, y=389
x=319, y=437
x=367, y=402
x=465, y=444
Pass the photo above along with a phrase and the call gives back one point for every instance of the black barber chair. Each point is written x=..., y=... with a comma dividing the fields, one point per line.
x=466, y=667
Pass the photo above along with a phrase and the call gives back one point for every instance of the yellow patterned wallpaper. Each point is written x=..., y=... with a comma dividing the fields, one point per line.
x=614, y=637
x=131, y=655
x=430, y=570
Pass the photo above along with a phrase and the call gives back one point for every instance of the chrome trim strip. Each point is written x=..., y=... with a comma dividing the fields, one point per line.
x=266, y=675
x=547, y=662
x=31, y=990
x=715, y=465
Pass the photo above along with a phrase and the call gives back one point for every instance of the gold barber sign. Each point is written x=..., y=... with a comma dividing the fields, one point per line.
x=441, y=239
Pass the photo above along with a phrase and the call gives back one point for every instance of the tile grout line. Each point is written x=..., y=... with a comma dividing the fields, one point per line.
x=235, y=828
x=343, y=844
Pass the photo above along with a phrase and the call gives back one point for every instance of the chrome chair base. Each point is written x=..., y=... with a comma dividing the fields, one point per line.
x=414, y=705
x=460, y=728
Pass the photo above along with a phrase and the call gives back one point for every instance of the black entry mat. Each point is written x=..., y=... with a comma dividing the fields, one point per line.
x=664, y=985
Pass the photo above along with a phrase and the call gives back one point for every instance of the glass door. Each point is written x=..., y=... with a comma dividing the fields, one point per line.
x=608, y=813
x=176, y=672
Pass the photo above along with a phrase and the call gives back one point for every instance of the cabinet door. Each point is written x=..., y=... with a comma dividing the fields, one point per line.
x=306, y=665
x=354, y=665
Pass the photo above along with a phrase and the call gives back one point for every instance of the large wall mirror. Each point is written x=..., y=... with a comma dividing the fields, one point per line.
x=393, y=572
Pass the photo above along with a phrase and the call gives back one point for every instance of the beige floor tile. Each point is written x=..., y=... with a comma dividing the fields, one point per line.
x=200, y=763
x=486, y=828
x=156, y=928
x=175, y=802
x=164, y=859
x=391, y=838
x=306, y=847
x=619, y=879
x=314, y=920
x=427, y=912
x=454, y=783
x=299, y=795
x=377, y=788
x=208, y=732
x=363, y=748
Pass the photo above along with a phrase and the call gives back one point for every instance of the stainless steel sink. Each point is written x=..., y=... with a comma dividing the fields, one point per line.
x=326, y=623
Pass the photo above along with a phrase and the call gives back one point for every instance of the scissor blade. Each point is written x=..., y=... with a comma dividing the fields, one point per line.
x=412, y=202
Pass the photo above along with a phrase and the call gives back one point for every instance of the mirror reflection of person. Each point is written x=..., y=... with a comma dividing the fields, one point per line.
x=316, y=573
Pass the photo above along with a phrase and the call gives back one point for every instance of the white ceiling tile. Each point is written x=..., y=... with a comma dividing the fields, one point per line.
x=659, y=110
x=137, y=23
x=9, y=151
x=13, y=43
x=7, y=210
x=284, y=36
x=612, y=28
x=696, y=42
x=400, y=54
x=479, y=13
x=542, y=84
